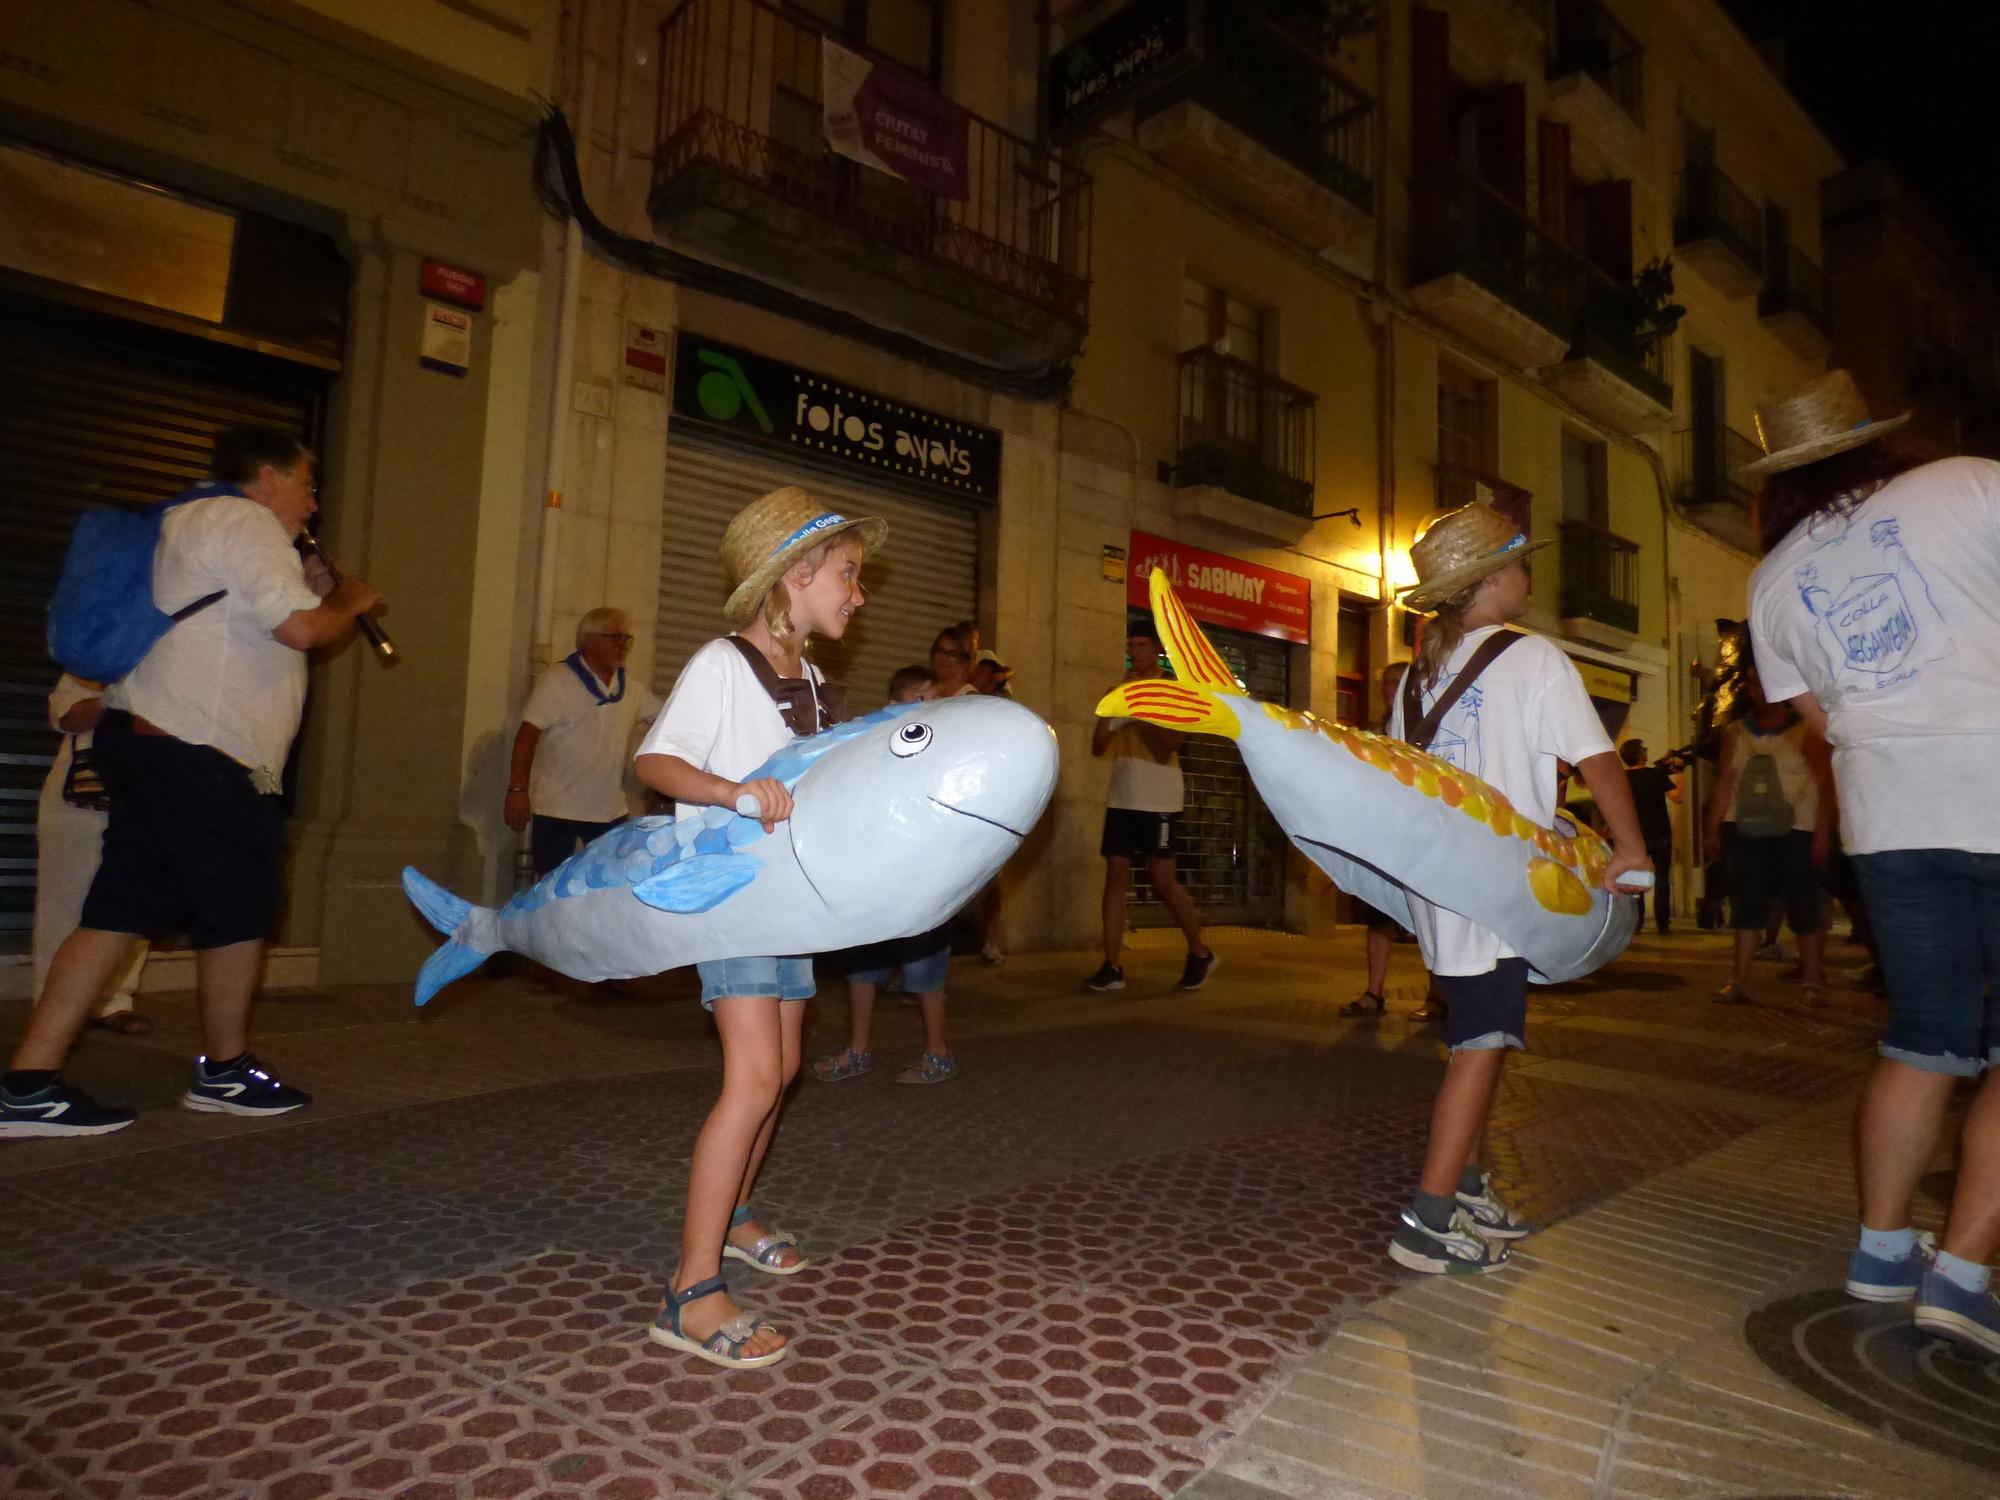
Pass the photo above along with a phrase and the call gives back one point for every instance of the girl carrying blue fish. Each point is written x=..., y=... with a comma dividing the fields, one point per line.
x=1504, y=707
x=796, y=568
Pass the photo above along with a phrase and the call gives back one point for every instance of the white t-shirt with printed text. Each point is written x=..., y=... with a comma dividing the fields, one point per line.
x=1890, y=617
x=1527, y=710
x=586, y=746
x=219, y=677
x=718, y=718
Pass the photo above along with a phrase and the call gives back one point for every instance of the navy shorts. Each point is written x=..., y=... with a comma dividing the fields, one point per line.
x=553, y=840
x=1132, y=834
x=1936, y=915
x=1487, y=1012
x=192, y=845
x=1761, y=869
x=924, y=959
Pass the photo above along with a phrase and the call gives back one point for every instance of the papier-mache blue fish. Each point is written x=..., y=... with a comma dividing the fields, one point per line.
x=900, y=817
x=1388, y=822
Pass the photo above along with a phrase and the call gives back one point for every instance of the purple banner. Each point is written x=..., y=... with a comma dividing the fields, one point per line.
x=893, y=124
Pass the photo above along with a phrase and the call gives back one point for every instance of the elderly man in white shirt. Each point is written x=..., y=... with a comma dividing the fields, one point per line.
x=575, y=743
x=191, y=746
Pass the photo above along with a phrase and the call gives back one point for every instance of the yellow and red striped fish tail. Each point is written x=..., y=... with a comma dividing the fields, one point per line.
x=1194, y=659
x=1186, y=707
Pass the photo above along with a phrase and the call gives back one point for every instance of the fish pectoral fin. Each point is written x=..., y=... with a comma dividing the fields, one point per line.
x=1172, y=705
x=699, y=883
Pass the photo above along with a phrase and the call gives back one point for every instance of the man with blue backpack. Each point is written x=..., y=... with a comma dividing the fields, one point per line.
x=197, y=615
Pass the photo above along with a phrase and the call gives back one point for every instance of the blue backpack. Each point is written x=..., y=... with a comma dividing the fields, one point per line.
x=102, y=620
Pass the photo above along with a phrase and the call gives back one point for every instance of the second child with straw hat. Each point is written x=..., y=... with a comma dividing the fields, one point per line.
x=1505, y=707
x=795, y=567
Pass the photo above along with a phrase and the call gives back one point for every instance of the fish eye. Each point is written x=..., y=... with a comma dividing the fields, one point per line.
x=910, y=739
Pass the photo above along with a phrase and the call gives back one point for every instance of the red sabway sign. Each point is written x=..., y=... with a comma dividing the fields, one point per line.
x=1222, y=590
x=450, y=284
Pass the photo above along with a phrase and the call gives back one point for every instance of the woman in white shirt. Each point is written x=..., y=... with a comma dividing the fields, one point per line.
x=1876, y=614
x=797, y=569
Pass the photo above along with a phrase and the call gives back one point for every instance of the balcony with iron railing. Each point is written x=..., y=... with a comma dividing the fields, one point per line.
x=1612, y=333
x=1719, y=230
x=1482, y=266
x=743, y=174
x=1600, y=579
x=1269, y=125
x=1794, y=304
x=1712, y=491
x=1245, y=432
x=1596, y=86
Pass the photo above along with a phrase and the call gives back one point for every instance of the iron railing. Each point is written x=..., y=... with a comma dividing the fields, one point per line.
x=1246, y=430
x=1600, y=576
x=1277, y=88
x=1463, y=226
x=1711, y=462
x=1585, y=38
x=740, y=93
x=1712, y=207
x=1796, y=284
x=1609, y=324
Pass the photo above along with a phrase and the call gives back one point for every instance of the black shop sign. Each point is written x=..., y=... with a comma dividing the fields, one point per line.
x=769, y=404
x=1148, y=43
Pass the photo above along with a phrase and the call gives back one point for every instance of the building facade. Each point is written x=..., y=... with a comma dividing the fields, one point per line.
x=1243, y=290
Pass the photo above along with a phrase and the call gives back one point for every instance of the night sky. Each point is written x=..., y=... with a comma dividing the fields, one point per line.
x=1914, y=80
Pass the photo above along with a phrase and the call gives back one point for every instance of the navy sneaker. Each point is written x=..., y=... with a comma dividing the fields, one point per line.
x=57, y=1109
x=1875, y=1278
x=244, y=1089
x=1107, y=977
x=1971, y=1318
x=1195, y=974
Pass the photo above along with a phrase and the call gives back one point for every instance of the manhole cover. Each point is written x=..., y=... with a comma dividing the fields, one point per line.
x=1868, y=1361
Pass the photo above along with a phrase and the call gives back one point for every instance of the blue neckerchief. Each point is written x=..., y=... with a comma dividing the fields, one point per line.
x=574, y=661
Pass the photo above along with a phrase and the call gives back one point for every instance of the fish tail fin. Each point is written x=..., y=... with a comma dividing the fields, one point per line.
x=1196, y=662
x=1186, y=707
x=470, y=940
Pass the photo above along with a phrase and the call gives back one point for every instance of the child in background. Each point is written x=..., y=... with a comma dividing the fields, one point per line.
x=1526, y=708
x=797, y=568
x=924, y=961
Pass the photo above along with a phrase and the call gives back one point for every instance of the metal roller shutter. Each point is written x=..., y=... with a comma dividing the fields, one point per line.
x=925, y=577
x=95, y=411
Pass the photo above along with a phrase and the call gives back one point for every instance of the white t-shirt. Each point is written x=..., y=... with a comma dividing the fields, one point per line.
x=1890, y=617
x=586, y=745
x=1527, y=710
x=718, y=718
x=1787, y=749
x=220, y=678
x=1139, y=781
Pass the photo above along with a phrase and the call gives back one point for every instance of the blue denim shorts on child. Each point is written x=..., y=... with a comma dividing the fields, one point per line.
x=1936, y=915
x=776, y=978
x=924, y=960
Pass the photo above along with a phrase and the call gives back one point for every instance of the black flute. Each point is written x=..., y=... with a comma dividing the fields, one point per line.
x=377, y=636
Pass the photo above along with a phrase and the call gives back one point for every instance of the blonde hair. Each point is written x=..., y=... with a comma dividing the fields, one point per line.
x=1442, y=633
x=777, y=606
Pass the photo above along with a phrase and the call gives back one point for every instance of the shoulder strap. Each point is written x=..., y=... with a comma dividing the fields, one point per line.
x=1420, y=730
x=805, y=718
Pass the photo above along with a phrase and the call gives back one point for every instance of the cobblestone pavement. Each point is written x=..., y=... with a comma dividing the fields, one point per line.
x=1134, y=1249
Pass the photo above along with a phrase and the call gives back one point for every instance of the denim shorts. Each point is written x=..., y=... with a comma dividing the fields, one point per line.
x=924, y=960
x=1936, y=915
x=774, y=978
x=1486, y=1012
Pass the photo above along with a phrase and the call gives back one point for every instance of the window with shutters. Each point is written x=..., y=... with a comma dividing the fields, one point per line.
x=1241, y=426
x=1466, y=405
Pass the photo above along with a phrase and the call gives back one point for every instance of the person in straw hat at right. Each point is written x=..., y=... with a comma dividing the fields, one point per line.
x=1522, y=709
x=1876, y=615
x=796, y=570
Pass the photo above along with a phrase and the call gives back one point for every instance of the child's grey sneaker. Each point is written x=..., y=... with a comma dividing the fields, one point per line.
x=1460, y=1250
x=1490, y=1214
x=1948, y=1309
x=1876, y=1278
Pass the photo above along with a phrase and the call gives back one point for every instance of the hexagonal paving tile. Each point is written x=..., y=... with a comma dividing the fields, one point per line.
x=925, y=1301
x=966, y=1438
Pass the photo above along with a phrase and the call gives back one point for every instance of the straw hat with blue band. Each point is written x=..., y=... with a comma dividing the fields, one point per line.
x=1823, y=417
x=774, y=531
x=1457, y=548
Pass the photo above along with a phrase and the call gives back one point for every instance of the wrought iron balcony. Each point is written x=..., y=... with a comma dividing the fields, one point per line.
x=1585, y=38
x=1600, y=577
x=742, y=173
x=1463, y=228
x=1719, y=229
x=1712, y=490
x=1610, y=332
x=1245, y=431
x=1794, y=304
